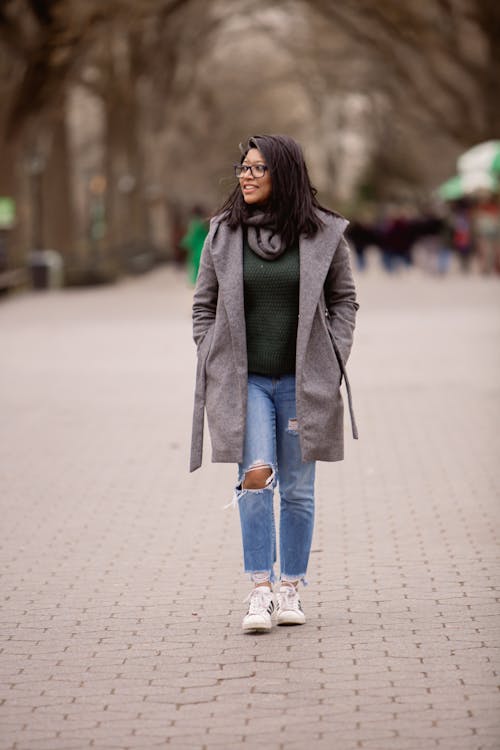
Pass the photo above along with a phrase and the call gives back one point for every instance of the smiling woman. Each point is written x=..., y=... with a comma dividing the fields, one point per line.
x=254, y=177
x=273, y=318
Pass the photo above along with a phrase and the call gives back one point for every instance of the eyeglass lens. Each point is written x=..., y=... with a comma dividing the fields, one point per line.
x=256, y=170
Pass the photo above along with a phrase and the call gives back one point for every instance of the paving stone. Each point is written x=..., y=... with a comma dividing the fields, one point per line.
x=122, y=572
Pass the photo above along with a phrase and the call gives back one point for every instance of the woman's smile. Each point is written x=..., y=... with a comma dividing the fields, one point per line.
x=255, y=189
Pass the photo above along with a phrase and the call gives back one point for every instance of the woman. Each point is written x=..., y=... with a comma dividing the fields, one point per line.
x=273, y=319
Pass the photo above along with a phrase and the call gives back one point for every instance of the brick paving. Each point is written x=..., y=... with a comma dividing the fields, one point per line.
x=121, y=573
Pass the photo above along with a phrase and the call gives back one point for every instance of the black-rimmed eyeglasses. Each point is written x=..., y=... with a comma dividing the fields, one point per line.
x=256, y=170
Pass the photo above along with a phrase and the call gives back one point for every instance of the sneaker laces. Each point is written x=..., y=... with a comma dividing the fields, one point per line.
x=289, y=598
x=259, y=599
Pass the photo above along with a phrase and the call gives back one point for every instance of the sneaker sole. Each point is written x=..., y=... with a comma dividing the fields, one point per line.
x=291, y=618
x=256, y=628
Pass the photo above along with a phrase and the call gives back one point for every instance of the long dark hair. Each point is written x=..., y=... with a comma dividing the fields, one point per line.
x=292, y=205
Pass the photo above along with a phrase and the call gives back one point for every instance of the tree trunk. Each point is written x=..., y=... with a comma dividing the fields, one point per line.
x=57, y=199
x=126, y=209
x=14, y=240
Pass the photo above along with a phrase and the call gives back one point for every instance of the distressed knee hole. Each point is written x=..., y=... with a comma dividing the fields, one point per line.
x=257, y=477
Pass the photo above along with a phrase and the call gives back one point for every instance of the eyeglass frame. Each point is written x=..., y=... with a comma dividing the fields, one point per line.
x=244, y=168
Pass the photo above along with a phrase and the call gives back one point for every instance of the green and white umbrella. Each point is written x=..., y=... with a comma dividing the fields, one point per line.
x=467, y=184
x=485, y=157
x=478, y=169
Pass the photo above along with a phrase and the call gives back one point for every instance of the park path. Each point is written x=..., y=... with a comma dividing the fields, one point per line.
x=121, y=573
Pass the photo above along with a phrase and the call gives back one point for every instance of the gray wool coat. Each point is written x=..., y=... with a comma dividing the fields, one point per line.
x=327, y=312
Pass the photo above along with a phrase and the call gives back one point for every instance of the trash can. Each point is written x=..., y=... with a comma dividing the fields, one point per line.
x=47, y=269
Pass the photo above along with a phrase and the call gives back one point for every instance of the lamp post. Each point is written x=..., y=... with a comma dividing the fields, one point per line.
x=97, y=217
x=36, y=166
x=39, y=271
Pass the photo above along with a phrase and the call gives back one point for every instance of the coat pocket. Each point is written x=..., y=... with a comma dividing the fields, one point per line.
x=337, y=354
x=202, y=356
x=335, y=347
x=204, y=345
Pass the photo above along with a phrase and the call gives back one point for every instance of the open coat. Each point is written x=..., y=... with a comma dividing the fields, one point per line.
x=327, y=312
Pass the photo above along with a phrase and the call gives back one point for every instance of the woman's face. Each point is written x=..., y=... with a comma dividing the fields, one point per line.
x=255, y=189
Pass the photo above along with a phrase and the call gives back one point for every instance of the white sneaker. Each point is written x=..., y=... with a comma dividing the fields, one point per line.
x=260, y=609
x=289, y=607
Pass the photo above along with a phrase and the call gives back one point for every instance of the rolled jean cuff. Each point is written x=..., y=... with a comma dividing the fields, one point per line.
x=291, y=579
x=262, y=576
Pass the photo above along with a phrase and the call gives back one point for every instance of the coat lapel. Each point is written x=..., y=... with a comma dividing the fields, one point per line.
x=316, y=255
x=227, y=255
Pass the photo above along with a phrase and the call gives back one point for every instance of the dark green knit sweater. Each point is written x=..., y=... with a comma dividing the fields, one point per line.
x=271, y=289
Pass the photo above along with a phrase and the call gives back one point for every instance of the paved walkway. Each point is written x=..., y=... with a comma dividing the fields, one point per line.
x=120, y=572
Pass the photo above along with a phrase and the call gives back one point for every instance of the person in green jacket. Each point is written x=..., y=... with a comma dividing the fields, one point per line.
x=193, y=242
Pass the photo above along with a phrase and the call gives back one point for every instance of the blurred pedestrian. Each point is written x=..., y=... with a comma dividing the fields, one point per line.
x=396, y=238
x=273, y=319
x=461, y=234
x=486, y=223
x=433, y=234
x=193, y=241
x=177, y=232
x=361, y=235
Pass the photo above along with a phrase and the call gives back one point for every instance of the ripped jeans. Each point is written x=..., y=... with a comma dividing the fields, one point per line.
x=272, y=440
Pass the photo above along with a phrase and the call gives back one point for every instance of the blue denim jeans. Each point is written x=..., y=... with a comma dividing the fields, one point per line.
x=271, y=439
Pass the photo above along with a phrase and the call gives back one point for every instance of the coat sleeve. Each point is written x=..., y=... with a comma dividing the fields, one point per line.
x=340, y=298
x=205, y=295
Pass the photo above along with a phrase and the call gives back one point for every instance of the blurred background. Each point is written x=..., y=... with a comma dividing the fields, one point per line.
x=120, y=122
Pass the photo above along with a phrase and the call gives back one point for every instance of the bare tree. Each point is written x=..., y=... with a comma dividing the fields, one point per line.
x=385, y=89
